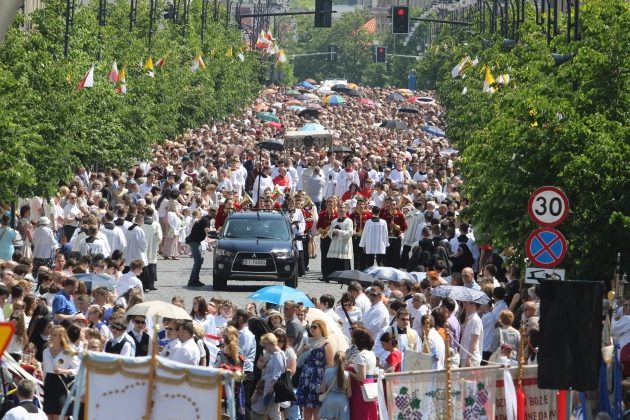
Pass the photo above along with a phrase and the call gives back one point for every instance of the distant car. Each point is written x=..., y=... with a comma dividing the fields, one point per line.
x=255, y=246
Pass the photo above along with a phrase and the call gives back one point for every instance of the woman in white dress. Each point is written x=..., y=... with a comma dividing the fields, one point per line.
x=340, y=251
x=175, y=224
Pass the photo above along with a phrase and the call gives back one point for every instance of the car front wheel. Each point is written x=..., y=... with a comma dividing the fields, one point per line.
x=219, y=282
x=293, y=280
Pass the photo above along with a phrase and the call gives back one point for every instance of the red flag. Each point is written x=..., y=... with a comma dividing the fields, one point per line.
x=520, y=402
x=87, y=80
x=113, y=73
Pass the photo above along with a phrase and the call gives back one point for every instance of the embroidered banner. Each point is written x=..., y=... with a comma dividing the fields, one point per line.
x=476, y=394
x=180, y=391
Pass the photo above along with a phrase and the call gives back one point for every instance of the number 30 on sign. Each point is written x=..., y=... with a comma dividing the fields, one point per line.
x=548, y=206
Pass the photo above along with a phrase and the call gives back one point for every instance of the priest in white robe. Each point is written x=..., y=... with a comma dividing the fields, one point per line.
x=374, y=239
x=136, y=248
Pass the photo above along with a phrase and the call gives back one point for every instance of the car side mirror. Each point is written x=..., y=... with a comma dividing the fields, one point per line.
x=214, y=235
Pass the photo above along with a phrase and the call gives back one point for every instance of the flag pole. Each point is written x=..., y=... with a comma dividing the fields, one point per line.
x=449, y=385
x=153, y=363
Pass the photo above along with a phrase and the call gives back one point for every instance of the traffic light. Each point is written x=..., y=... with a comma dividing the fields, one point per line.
x=380, y=54
x=332, y=54
x=400, y=19
x=323, y=15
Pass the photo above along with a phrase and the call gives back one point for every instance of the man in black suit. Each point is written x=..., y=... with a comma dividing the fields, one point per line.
x=139, y=335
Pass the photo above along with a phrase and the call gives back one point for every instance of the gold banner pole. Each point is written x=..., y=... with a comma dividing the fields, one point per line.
x=153, y=364
x=449, y=385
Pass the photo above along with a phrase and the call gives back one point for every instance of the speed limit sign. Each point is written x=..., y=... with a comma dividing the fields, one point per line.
x=548, y=206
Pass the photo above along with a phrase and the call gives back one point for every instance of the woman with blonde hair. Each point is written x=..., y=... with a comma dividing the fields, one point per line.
x=320, y=356
x=273, y=365
x=59, y=366
x=335, y=390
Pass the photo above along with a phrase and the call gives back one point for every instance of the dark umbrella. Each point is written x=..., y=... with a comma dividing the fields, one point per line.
x=355, y=92
x=395, y=97
x=434, y=131
x=340, y=88
x=309, y=112
x=271, y=145
x=341, y=149
x=346, y=276
x=302, y=98
x=394, y=125
x=408, y=109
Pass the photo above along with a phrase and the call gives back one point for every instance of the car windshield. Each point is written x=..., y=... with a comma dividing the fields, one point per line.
x=256, y=229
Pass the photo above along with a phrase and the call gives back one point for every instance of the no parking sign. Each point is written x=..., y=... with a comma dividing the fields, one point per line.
x=546, y=247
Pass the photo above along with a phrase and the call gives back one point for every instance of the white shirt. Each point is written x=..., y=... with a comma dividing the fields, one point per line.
x=128, y=349
x=99, y=246
x=437, y=347
x=63, y=360
x=153, y=235
x=247, y=345
x=344, y=179
x=376, y=318
x=188, y=353
x=136, y=248
x=128, y=281
x=472, y=326
x=44, y=243
x=72, y=211
x=363, y=303
x=20, y=413
x=115, y=237
x=354, y=314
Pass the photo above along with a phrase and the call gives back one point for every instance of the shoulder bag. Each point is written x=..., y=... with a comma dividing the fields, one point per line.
x=283, y=388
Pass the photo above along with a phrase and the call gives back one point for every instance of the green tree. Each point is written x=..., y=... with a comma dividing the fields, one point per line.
x=564, y=126
x=48, y=128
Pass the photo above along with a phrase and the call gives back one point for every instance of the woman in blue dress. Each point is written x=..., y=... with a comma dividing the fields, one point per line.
x=336, y=390
x=318, y=356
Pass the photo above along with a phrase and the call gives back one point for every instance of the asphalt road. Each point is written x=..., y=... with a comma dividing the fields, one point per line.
x=173, y=277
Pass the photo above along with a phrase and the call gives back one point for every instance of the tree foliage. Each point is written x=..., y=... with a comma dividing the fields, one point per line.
x=550, y=125
x=47, y=128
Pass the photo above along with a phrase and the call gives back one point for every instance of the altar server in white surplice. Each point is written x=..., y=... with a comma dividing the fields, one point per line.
x=374, y=239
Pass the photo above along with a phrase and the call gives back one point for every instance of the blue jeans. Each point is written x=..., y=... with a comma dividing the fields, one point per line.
x=197, y=254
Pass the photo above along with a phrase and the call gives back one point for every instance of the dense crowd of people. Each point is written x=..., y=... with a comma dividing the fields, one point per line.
x=392, y=199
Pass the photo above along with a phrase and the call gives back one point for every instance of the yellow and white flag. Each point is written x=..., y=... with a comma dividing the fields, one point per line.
x=488, y=81
x=198, y=63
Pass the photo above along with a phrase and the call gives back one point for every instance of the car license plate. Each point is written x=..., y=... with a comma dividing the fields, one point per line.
x=255, y=262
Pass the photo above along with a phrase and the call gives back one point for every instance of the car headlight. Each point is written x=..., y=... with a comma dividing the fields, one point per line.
x=283, y=254
x=224, y=253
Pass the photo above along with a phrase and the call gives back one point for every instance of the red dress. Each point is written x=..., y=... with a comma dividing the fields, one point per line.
x=395, y=360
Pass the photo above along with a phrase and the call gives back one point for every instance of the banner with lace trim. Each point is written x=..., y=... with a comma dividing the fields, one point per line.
x=117, y=387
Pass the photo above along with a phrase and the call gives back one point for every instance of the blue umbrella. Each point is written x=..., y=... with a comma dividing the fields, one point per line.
x=312, y=127
x=388, y=273
x=94, y=281
x=434, y=131
x=306, y=84
x=461, y=293
x=296, y=108
x=280, y=294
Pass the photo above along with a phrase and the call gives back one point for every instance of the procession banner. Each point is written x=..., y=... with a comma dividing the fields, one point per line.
x=180, y=391
x=423, y=395
x=477, y=393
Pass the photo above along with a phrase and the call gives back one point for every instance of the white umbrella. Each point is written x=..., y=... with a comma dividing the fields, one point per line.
x=159, y=308
x=335, y=333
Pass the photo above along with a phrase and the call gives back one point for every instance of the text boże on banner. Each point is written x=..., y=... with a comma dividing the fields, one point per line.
x=477, y=393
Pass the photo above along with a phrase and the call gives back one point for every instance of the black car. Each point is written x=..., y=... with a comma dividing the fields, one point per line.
x=256, y=246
